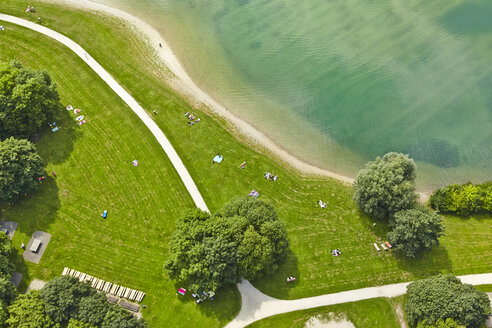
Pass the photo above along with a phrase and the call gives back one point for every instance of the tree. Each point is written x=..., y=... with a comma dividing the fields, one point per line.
x=201, y=253
x=449, y=323
x=27, y=311
x=255, y=211
x=6, y=247
x=93, y=308
x=386, y=186
x=256, y=255
x=244, y=239
x=62, y=296
x=116, y=317
x=264, y=243
x=28, y=100
x=73, y=323
x=8, y=292
x=21, y=165
x=415, y=231
x=444, y=296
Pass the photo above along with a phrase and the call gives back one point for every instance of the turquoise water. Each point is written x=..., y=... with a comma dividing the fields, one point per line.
x=338, y=82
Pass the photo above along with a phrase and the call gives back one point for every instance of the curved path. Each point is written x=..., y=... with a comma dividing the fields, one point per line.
x=127, y=98
x=256, y=305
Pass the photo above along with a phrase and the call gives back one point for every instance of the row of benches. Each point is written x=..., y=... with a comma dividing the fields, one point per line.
x=106, y=286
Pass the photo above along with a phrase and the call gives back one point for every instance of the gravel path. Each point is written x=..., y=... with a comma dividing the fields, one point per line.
x=127, y=98
x=256, y=305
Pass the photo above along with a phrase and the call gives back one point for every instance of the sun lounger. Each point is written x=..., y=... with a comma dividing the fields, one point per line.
x=65, y=271
x=137, y=297
x=95, y=282
x=388, y=244
x=82, y=277
x=384, y=247
x=114, y=289
x=127, y=293
x=100, y=284
x=122, y=291
x=376, y=247
x=141, y=297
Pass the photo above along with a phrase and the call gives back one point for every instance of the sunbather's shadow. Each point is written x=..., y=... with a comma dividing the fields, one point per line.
x=56, y=147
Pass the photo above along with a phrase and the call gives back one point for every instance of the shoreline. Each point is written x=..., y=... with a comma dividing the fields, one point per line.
x=186, y=87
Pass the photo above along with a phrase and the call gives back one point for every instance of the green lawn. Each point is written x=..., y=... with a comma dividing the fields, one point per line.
x=372, y=313
x=93, y=163
x=94, y=173
x=485, y=288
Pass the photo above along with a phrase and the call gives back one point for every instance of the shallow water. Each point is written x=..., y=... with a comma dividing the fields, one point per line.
x=339, y=82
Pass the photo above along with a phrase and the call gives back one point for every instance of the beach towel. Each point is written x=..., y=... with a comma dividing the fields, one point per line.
x=218, y=159
x=79, y=118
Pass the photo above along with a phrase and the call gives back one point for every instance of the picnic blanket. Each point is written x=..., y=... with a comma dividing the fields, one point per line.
x=254, y=193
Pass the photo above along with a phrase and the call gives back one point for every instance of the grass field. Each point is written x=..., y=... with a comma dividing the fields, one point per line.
x=93, y=164
x=377, y=312
x=94, y=173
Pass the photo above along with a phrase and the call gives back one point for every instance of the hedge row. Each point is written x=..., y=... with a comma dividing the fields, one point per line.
x=463, y=199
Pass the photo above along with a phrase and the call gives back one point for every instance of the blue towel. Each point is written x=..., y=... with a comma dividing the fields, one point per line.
x=218, y=158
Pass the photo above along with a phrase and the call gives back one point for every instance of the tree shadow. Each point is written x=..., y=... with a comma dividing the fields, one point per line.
x=224, y=307
x=429, y=264
x=380, y=228
x=276, y=285
x=35, y=212
x=56, y=147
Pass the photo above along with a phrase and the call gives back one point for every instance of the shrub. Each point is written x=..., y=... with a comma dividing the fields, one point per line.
x=445, y=296
x=463, y=199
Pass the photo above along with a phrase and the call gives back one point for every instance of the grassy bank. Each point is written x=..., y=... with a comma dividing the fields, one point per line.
x=377, y=312
x=94, y=172
x=93, y=163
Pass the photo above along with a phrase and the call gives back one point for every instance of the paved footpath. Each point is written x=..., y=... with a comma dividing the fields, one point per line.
x=127, y=98
x=256, y=305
